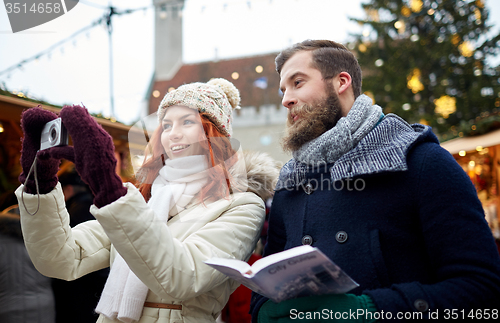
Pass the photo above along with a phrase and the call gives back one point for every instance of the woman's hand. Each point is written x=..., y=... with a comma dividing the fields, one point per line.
x=32, y=122
x=94, y=155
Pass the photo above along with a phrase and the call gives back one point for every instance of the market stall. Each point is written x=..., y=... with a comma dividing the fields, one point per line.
x=479, y=156
x=11, y=107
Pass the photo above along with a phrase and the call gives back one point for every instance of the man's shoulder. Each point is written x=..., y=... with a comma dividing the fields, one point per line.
x=384, y=149
x=394, y=129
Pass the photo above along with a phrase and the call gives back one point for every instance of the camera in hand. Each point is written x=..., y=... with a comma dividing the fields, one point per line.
x=54, y=134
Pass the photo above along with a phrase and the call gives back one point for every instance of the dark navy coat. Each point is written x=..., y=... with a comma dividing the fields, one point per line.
x=399, y=215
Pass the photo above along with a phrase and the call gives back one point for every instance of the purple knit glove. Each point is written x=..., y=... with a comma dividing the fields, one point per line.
x=94, y=155
x=32, y=122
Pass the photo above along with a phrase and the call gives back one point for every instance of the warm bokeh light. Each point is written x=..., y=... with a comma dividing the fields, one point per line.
x=416, y=5
x=414, y=83
x=445, y=105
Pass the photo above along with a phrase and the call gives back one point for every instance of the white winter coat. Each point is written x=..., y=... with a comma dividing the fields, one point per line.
x=167, y=257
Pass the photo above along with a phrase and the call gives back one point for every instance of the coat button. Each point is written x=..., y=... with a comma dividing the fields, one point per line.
x=308, y=188
x=307, y=240
x=341, y=236
x=421, y=305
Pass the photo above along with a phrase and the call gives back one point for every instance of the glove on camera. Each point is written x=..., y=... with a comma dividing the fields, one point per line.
x=94, y=156
x=32, y=122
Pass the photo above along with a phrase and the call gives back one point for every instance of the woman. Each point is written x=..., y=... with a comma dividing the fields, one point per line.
x=191, y=205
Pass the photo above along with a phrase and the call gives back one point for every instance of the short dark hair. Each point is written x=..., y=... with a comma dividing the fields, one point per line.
x=329, y=57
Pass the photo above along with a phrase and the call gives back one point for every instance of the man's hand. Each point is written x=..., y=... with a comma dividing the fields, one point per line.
x=325, y=307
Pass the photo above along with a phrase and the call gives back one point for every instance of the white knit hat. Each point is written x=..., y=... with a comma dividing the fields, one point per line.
x=217, y=98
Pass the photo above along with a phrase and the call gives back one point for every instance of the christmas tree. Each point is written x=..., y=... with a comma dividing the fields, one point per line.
x=429, y=61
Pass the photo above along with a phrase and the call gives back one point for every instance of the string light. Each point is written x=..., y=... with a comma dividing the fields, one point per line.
x=166, y=8
x=445, y=105
x=414, y=83
x=400, y=26
x=373, y=14
x=416, y=5
x=477, y=14
x=59, y=45
x=405, y=11
x=466, y=49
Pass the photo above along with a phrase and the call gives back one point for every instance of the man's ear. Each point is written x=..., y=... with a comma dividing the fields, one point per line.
x=345, y=82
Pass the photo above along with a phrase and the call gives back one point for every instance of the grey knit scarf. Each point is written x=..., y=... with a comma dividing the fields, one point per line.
x=346, y=134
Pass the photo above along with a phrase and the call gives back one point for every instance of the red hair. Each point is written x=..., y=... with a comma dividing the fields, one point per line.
x=217, y=149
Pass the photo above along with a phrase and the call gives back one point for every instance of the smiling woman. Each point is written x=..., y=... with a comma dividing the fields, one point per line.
x=195, y=120
x=182, y=132
x=194, y=202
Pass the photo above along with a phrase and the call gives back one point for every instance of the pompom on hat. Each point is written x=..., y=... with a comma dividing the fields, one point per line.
x=217, y=98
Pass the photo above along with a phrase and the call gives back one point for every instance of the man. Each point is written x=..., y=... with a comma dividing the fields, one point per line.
x=379, y=197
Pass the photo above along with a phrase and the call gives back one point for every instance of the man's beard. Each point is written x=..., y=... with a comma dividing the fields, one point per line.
x=314, y=120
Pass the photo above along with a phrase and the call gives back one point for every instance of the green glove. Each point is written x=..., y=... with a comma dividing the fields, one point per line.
x=321, y=308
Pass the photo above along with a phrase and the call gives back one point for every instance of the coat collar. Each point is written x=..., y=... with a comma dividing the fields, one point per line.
x=384, y=149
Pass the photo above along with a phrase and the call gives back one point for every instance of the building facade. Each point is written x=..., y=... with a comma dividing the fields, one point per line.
x=260, y=123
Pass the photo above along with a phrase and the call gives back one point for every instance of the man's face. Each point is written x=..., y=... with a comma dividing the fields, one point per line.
x=313, y=104
x=300, y=82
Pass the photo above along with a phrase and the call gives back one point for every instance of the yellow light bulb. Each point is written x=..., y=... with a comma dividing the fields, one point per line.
x=414, y=83
x=416, y=5
x=466, y=49
x=445, y=106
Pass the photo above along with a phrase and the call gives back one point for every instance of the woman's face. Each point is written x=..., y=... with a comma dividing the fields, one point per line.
x=182, y=132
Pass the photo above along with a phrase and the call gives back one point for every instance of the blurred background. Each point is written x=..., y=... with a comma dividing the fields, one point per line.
x=434, y=62
x=77, y=68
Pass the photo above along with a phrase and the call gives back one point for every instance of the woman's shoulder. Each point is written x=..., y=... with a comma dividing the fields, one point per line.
x=259, y=177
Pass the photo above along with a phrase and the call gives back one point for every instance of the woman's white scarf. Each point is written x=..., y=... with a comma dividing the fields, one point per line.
x=178, y=182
